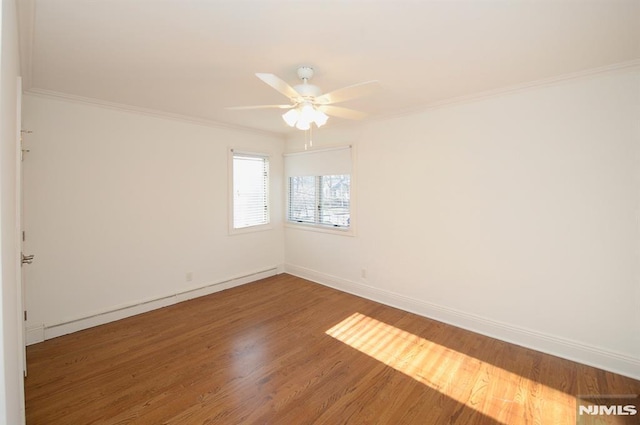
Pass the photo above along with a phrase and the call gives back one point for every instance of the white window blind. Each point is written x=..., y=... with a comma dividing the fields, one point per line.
x=250, y=190
x=319, y=189
x=323, y=162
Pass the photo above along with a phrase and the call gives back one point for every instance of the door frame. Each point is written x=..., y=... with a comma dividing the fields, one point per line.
x=22, y=332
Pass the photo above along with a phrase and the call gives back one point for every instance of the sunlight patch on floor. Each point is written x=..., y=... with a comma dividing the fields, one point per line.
x=505, y=396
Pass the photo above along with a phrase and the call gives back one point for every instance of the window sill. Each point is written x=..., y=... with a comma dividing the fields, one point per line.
x=250, y=229
x=309, y=227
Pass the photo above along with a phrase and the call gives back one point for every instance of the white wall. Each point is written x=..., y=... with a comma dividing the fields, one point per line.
x=120, y=206
x=11, y=382
x=514, y=215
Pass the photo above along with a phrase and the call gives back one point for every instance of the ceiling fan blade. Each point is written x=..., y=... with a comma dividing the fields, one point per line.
x=340, y=112
x=260, y=107
x=279, y=85
x=347, y=93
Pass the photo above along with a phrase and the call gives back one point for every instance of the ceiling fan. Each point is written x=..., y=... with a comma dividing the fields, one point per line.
x=308, y=104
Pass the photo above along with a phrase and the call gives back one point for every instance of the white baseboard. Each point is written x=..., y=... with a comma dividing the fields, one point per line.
x=34, y=334
x=41, y=333
x=550, y=344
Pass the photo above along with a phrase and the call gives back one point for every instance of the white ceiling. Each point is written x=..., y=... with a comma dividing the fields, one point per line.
x=194, y=57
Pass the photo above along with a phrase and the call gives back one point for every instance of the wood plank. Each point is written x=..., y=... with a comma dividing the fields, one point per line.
x=287, y=351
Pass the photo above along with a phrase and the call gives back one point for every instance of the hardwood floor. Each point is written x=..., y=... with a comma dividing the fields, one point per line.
x=287, y=351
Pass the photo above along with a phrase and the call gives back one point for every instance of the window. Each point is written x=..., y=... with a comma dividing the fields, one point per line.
x=250, y=191
x=320, y=200
x=319, y=188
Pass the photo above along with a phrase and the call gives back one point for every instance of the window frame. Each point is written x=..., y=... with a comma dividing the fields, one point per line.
x=232, y=152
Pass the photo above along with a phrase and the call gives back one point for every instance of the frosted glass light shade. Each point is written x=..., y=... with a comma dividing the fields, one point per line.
x=307, y=112
x=320, y=118
x=303, y=124
x=290, y=117
x=303, y=116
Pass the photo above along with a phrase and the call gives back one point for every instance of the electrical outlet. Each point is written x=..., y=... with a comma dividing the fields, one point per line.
x=189, y=276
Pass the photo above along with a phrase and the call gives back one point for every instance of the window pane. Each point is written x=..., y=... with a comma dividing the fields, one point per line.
x=334, y=200
x=250, y=190
x=302, y=199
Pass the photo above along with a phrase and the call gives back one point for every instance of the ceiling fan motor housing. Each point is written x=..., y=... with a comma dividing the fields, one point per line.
x=308, y=90
x=305, y=89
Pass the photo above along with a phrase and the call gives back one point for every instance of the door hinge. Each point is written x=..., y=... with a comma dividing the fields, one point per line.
x=26, y=259
x=23, y=150
x=25, y=315
x=24, y=236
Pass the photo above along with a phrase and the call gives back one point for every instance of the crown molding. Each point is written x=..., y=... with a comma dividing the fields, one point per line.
x=545, y=82
x=146, y=111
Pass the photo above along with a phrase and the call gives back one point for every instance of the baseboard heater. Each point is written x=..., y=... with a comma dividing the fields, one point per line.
x=51, y=331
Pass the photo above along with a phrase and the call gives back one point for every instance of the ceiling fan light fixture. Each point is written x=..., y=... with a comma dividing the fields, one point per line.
x=304, y=115
x=291, y=116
